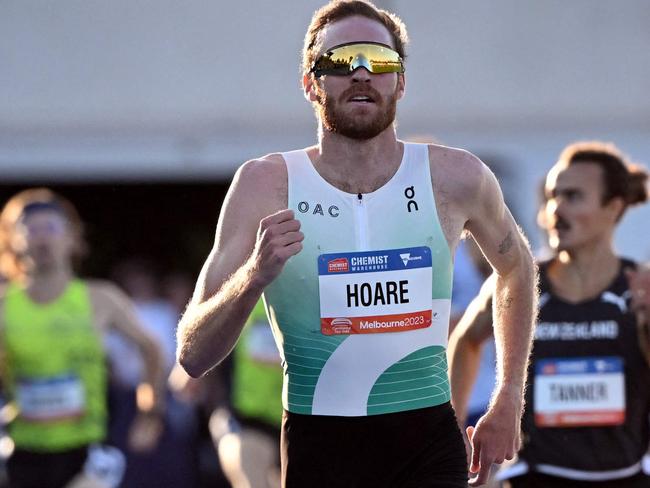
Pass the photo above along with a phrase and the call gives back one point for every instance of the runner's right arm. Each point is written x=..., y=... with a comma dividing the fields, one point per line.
x=255, y=237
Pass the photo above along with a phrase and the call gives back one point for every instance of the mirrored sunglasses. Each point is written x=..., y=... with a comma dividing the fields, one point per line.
x=343, y=59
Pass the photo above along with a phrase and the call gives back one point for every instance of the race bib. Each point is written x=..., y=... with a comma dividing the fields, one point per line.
x=579, y=392
x=51, y=399
x=375, y=291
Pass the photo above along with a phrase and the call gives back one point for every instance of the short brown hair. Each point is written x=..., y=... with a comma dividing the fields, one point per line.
x=14, y=210
x=621, y=178
x=341, y=9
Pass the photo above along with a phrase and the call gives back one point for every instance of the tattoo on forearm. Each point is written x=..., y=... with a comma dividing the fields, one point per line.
x=504, y=303
x=506, y=244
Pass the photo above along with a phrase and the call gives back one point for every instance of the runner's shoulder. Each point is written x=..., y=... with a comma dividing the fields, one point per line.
x=259, y=187
x=269, y=169
x=460, y=170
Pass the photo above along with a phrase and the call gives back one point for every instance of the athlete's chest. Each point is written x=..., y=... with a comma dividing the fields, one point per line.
x=585, y=358
x=410, y=201
x=604, y=327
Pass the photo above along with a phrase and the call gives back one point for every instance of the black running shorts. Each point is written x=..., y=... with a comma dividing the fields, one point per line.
x=28, y=469
x=414, y=449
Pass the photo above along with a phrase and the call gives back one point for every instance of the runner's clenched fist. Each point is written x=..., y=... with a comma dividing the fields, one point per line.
x=278, y=238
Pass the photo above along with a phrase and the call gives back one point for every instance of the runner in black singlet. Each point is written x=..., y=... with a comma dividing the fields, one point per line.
x=588, y=392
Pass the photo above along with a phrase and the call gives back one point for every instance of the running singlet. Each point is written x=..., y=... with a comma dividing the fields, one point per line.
x=55, y=370
x=588, y=394
x=361, y=314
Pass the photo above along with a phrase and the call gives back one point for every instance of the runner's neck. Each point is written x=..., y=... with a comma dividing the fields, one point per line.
x=580, y=276
x=357, y=166
x=47, y=287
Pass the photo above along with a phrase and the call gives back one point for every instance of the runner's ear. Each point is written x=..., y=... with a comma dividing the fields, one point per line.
x=401, y=85
x=308, y=82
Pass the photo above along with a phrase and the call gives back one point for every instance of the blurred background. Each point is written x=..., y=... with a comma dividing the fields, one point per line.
x=140, y=112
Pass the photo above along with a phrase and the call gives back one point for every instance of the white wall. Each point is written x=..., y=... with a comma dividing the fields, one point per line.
x=165, y=64
x=162, y=89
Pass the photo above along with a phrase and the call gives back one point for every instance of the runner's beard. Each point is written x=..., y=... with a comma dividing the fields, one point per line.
x=359, y=128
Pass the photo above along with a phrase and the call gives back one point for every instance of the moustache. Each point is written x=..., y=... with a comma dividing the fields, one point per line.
x=561, y=224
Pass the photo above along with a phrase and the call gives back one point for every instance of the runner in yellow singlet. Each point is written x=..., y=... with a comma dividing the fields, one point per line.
x=54, y=369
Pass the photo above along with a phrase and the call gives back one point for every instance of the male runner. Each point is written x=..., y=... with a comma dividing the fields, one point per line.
x=351, y=242
x=588, y=395
x=53, y=360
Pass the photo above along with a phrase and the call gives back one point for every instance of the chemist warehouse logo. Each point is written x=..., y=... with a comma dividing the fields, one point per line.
x=407, y=258
x=338, y=265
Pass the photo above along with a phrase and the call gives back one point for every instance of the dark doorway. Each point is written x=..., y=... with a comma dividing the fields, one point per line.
x=172, y=224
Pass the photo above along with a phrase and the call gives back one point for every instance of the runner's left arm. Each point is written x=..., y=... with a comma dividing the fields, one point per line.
x=496, y=436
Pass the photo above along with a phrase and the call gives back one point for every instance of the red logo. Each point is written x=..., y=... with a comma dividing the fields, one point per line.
x=549, y=369
x=338, y=265
x=341, y=326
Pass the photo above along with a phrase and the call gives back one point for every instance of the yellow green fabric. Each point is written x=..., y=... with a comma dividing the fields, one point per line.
x=46, y=342
x=257, y=384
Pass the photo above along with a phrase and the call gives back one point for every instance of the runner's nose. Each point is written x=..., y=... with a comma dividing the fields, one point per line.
x=360, y=75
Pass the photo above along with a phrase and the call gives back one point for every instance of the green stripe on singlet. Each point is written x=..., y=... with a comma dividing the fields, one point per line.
x=305, y=357
x=419, y=380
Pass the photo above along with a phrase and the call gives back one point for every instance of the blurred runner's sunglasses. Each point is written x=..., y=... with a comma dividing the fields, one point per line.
x=343, y=59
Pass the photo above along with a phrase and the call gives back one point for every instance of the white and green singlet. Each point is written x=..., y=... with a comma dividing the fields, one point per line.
x=361, y=314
